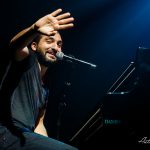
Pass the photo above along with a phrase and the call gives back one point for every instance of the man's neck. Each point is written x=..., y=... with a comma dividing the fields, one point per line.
x=43, y=70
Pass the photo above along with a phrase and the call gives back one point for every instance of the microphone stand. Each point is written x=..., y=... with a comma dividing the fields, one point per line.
x=63, y=103
x=61, y=108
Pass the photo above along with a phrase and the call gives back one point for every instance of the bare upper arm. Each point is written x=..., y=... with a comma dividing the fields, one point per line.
x=21, y=54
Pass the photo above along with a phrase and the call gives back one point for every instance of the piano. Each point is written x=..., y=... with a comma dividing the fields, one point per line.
x=123, y=115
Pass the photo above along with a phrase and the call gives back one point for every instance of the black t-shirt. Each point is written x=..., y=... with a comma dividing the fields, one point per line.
x=22, y=93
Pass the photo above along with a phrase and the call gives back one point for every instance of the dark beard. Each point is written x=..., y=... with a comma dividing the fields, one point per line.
x=42, y=60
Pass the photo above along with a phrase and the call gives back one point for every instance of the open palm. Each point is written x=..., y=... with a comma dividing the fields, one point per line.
x=50, y=23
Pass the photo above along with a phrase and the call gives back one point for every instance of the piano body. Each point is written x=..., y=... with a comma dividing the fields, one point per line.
x=124, y=114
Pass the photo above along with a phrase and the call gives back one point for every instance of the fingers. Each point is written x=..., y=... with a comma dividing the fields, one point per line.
x=59, y=17
x=62, y=16
x=66, y=26
x=56, y=21
x=56, y=12
x=66, y=21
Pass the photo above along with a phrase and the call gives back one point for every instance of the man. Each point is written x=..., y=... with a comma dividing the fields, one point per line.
x=23, y=94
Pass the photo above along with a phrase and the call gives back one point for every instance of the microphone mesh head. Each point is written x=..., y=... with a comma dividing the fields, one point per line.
x=59, y=55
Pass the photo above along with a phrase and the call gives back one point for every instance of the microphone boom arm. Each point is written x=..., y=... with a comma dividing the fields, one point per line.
x=92, y=65
x=60, y=56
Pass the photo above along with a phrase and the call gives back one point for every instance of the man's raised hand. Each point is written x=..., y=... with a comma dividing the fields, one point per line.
x=53, y=22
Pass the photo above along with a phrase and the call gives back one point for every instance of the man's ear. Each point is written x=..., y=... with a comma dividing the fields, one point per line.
x=34, y=46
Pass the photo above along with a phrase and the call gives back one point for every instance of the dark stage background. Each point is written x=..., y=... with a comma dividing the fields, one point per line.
x=106, y=33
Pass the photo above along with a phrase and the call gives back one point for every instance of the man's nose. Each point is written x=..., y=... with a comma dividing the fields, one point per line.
x=56, y=49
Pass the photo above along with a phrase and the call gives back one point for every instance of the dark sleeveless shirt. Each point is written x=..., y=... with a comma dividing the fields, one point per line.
x=23, y=94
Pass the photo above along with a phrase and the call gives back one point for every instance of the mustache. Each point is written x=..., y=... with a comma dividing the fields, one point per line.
x=51, y=51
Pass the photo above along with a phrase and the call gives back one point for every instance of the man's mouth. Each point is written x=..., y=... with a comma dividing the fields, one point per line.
x=51, y=54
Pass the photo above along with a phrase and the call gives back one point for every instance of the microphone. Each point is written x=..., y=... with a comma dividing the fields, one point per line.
x=61, y=55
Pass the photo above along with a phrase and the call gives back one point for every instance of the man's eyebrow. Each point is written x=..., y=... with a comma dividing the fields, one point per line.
x=50, y=37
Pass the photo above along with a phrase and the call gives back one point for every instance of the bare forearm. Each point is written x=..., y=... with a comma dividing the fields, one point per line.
x=46, y=25
x=23, y=38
